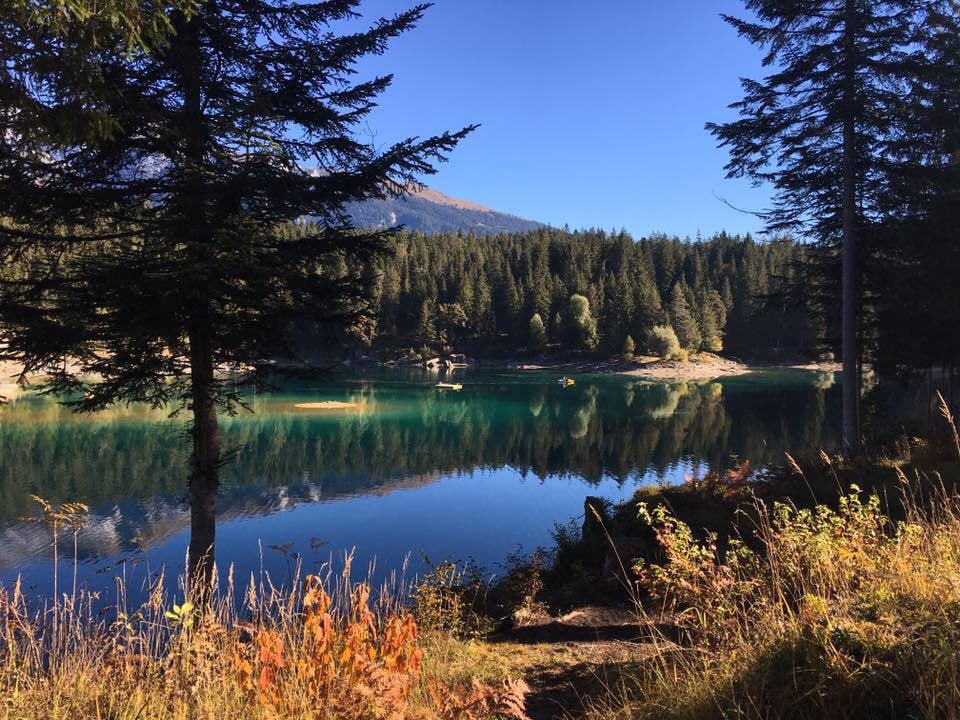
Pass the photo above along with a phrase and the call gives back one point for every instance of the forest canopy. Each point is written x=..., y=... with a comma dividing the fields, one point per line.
x=592, y=290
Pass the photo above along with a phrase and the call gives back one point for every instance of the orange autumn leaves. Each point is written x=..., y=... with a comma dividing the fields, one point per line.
x=362, y=667
x=364, y=664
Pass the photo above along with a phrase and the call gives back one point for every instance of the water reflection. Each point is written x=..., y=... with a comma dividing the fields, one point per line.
x=506, y=438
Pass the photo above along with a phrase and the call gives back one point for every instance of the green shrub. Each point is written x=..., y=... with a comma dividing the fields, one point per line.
x=537, y=332
x=663, y=341
x=521, y=585
x=450, y=599
x=582, y=324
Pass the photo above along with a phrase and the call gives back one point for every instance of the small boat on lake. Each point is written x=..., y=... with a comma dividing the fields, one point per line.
x=567, y=381
x=448, y=386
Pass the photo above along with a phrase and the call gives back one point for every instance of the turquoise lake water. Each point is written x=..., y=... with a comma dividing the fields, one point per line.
x=411, y=470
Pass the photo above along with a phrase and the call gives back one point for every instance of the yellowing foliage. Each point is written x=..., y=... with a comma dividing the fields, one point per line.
x=302, y=654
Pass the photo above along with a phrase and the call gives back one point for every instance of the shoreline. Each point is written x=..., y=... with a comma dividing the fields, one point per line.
x=705, y=366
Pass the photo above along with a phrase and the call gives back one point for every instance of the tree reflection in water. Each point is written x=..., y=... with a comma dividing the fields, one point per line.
x=130, y=464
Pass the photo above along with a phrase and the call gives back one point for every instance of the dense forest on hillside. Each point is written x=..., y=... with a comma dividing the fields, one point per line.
x=588, y=292
x=593, y=291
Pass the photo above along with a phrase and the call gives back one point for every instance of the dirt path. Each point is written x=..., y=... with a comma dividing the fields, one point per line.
x=574, y=659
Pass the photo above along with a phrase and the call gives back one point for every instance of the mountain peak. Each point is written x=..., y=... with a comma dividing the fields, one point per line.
x=427, y=210
x=435, y=196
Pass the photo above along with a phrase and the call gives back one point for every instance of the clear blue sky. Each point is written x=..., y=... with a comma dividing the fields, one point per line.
x=592, y=114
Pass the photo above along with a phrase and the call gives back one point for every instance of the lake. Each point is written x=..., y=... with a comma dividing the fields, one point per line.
x=409, y=471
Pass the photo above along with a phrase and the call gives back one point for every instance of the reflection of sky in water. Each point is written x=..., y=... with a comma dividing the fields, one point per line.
x=480, y=516
x=467, y=475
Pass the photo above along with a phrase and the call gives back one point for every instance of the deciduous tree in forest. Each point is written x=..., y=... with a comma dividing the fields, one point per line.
x=537, y=332
x=663, y=341
x=582, y=325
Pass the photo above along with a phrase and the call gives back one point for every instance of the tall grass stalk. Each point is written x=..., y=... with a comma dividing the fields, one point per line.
x=947, y=415
x=826, y=613
x=316, y=647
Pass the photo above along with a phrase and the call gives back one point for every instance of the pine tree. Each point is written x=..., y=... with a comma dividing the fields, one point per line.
x=451, y=321
x=507, y=303
x=915, y=277
x=143, y=25
x=158, y=255
x=482, y=312
x=726, y=292
x=683, y=321
x=629, y=348
x=713, y=316
x=817, y=128
x=389, y=300
x=556, y=326
x=465, y=298
x=710, y=330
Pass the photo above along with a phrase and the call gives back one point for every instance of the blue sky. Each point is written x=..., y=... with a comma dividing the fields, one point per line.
x=592, y=114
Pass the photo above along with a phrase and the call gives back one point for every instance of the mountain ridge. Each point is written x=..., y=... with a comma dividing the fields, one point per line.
x=428, y=210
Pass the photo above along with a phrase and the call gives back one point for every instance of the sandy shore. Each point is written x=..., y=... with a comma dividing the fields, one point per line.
x=819, y=367
x=699, y=367
x=327, y=405
x=703, y=366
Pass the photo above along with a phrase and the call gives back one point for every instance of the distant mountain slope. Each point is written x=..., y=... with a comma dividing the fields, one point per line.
x=430, y=211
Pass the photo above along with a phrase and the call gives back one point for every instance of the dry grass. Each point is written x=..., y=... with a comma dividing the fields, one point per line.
x=819, y=613
x=327, y=649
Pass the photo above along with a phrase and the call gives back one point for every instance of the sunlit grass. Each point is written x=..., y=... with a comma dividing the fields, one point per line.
x=813, y=613
x=323, y=647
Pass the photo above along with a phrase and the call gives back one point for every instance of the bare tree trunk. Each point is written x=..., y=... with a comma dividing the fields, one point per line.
x=848, y=332
x=205, y=460
x=204, y=469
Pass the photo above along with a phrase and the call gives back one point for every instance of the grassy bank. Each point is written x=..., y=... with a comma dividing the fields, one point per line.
x=324, y=650
x=836, y=614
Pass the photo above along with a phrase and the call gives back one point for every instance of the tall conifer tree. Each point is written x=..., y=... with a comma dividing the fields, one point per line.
x=817, y=128
x=918, y=254
x=683, y=320
x=149, y=192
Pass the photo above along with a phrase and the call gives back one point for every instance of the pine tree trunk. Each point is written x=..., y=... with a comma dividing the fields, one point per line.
x=204, y=470
x=205, y=461
x=848, y=332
